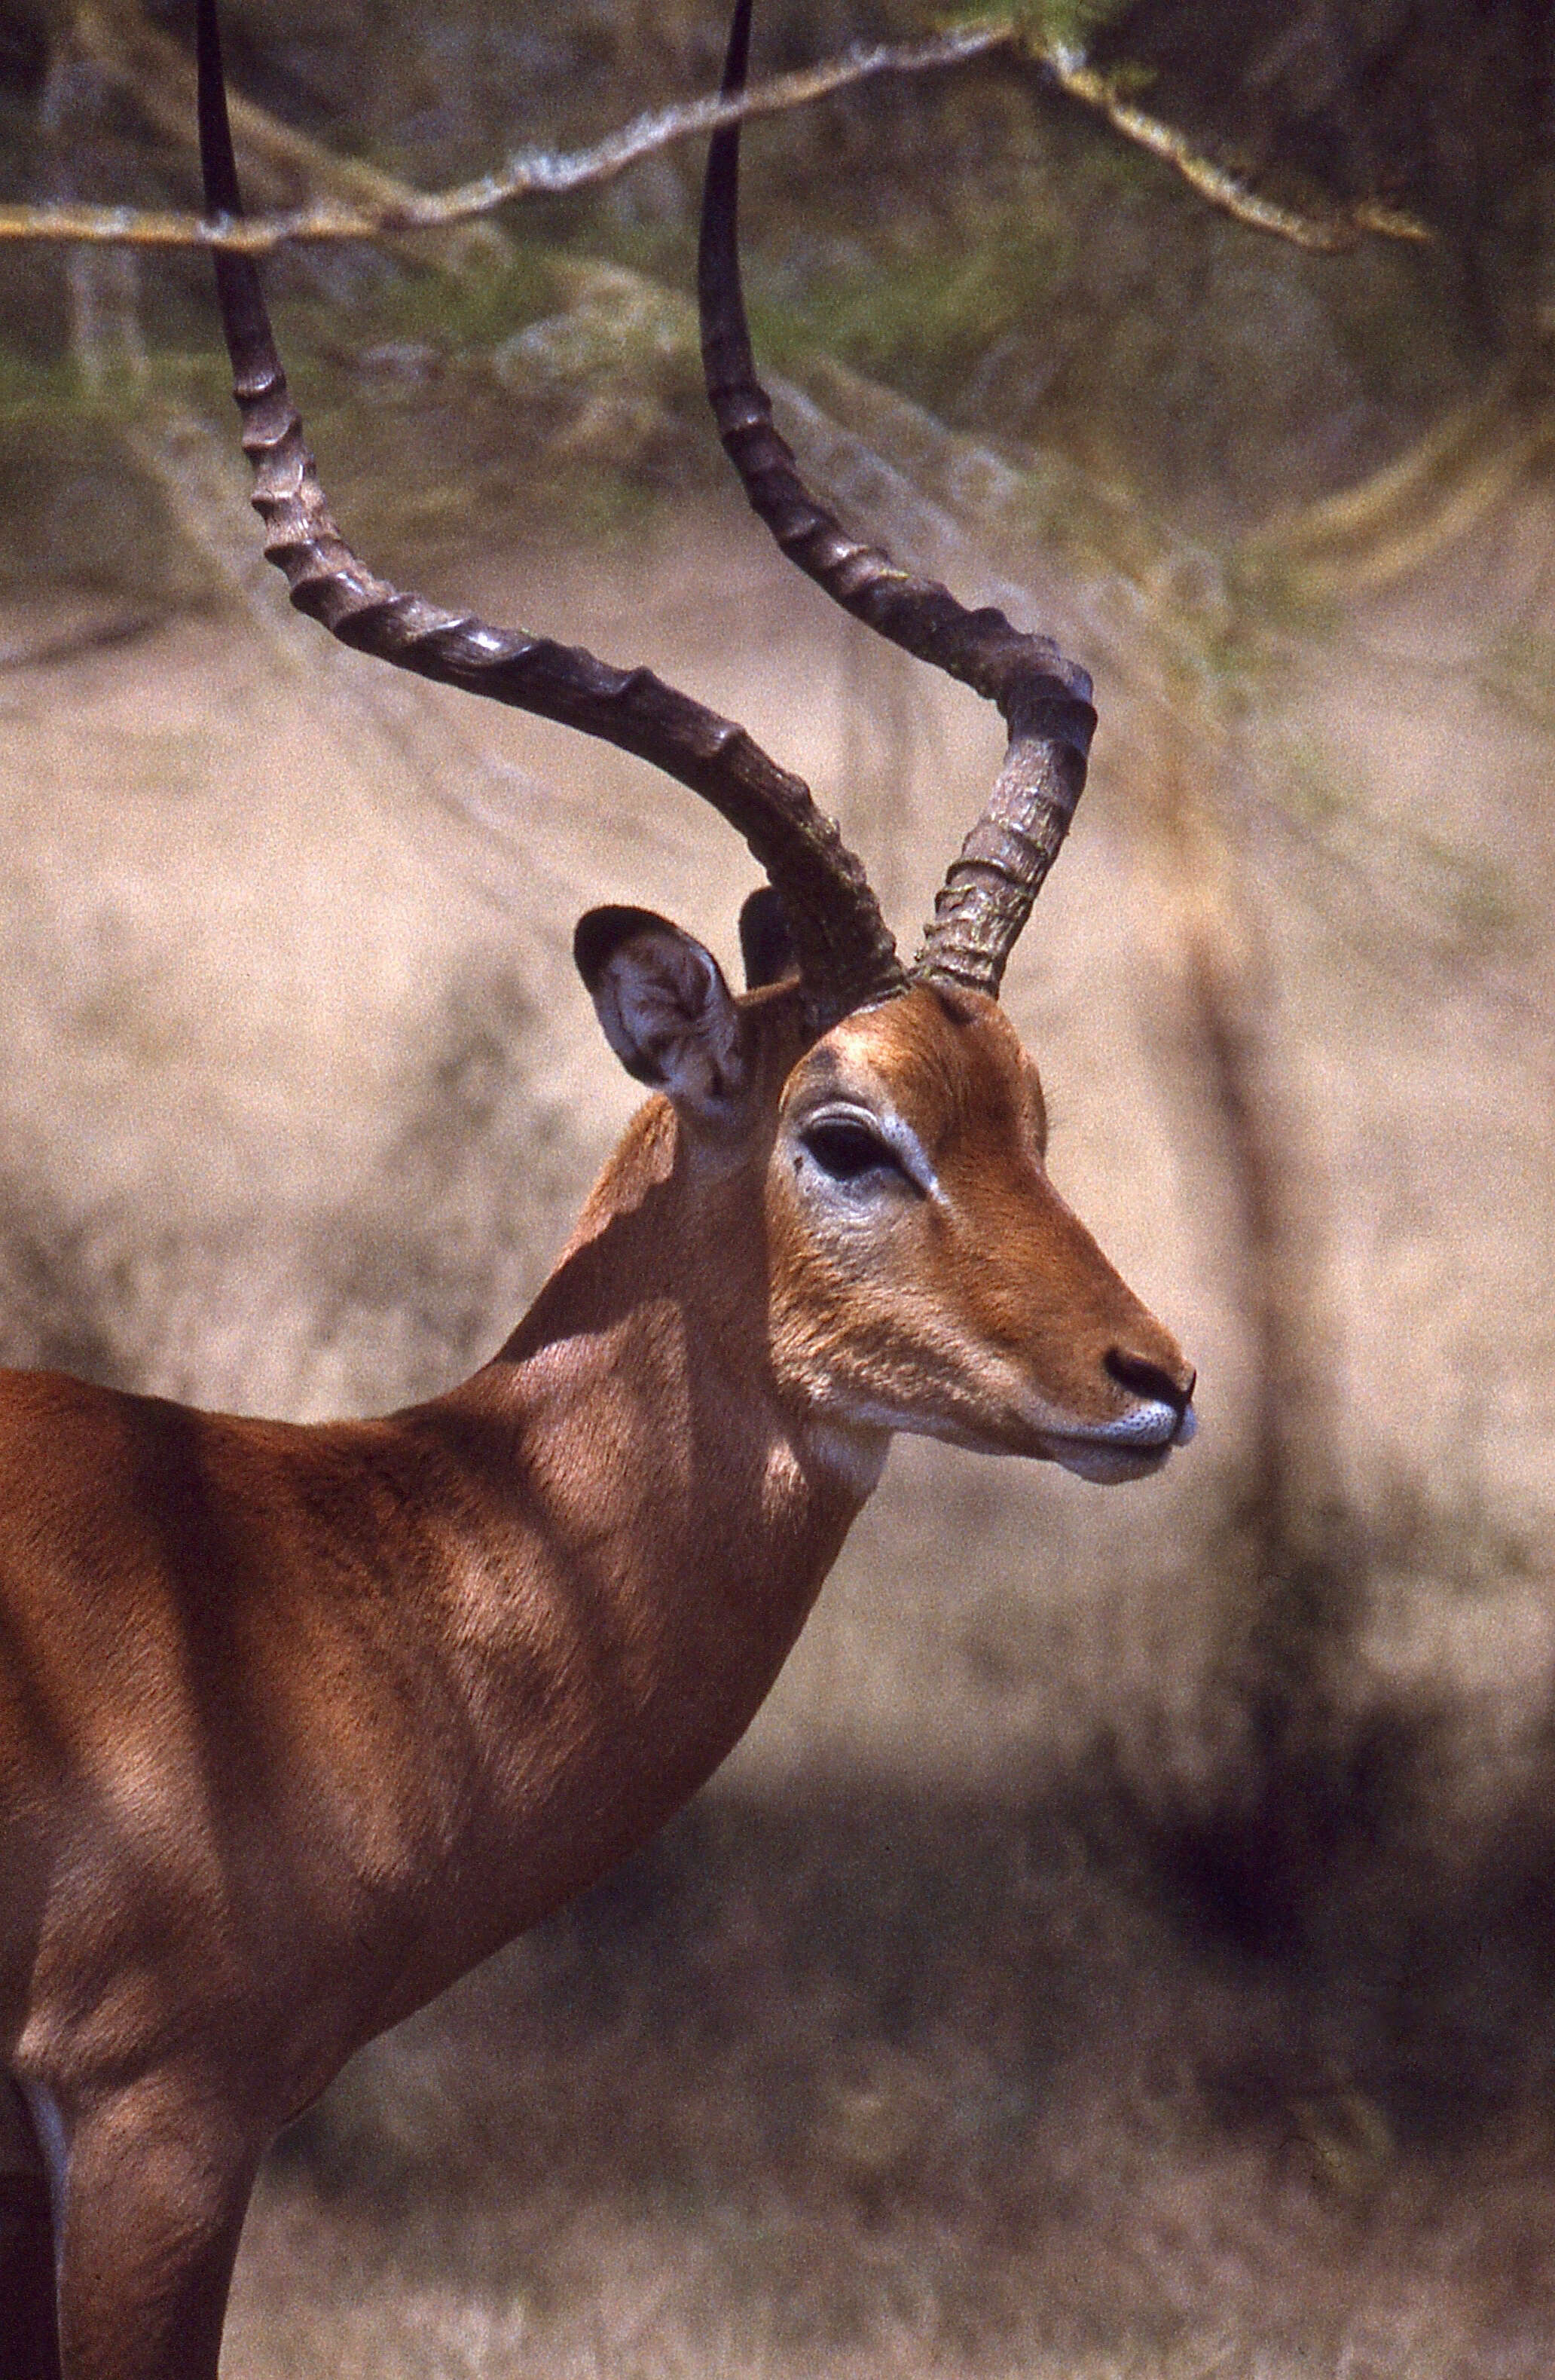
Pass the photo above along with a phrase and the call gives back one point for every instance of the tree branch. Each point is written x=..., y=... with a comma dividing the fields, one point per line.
x=529, y=174
x=387, y=209
x=1327, y=234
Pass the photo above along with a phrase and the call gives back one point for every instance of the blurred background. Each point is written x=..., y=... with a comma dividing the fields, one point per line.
x=1125, y=1944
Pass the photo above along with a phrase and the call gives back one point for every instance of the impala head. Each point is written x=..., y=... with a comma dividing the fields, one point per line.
x=923, y=1273
x=928, y=1275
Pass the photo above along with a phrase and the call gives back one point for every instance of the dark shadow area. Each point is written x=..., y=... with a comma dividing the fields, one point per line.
x=1140, y=2072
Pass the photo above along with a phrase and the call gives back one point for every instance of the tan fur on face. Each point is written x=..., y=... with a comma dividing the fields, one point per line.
x=983, y=1312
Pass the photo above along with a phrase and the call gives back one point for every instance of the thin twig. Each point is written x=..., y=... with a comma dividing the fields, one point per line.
x=533, y=173
x=1328, y=233
x=547, y=173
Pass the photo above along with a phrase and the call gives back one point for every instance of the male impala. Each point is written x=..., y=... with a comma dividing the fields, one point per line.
x=296, y=1724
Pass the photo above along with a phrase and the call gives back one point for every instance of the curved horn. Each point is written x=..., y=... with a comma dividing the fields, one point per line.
x=846, y=953
x=988, y=894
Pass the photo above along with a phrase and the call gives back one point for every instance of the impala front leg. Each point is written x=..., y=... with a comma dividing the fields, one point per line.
x=154, y=2183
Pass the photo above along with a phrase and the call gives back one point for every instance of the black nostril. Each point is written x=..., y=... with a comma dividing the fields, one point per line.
x=1143, y=1378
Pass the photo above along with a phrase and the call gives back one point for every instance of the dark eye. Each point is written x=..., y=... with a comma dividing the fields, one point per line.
x=846, y=1150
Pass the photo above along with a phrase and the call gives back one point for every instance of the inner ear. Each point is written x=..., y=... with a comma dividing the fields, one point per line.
x=664, y=1007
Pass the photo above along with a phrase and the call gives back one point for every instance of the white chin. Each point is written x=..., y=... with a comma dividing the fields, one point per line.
x=1109, y=1466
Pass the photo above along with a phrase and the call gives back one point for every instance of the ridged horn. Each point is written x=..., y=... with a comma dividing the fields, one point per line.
x=1045, y=700
x=845, y=954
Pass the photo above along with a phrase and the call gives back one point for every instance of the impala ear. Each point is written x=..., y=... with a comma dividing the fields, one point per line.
x=664, y=1007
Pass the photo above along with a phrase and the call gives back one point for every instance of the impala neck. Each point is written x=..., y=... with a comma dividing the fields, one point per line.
x=670, y=1259
x=668, y=1224
x=645, y=1520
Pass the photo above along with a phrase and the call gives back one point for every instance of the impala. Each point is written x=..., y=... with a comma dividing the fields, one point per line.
x=298, y=1723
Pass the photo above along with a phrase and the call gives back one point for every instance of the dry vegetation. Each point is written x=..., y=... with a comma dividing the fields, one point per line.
x=1123, y=1946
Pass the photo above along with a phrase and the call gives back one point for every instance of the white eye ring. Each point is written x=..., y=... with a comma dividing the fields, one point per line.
x=848, y=1143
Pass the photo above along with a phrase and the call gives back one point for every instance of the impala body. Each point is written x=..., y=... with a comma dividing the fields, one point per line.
x=335, y=1672
x=298, y=1723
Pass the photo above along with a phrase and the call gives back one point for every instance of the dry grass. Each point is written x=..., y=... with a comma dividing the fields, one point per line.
x=872, y=2083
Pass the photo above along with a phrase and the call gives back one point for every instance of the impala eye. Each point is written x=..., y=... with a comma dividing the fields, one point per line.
x=846, y=1150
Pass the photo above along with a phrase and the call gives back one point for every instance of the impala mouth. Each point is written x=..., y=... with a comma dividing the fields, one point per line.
x=1134, y=1447
x=1104, y=1465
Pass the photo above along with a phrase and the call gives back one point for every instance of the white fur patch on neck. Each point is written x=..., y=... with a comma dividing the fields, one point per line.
x=854, y=1457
